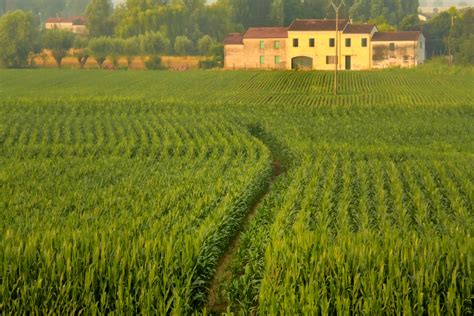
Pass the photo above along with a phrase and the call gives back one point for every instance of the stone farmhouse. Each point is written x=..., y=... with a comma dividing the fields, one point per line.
x=311, y=44
x=75, y=24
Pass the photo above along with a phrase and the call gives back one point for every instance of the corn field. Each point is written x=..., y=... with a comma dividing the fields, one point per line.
x=121, y=192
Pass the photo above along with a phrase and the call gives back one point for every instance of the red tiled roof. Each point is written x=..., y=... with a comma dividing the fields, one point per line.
x=266, y=32
x=75, y=20
x=317, y=25
x=234, y=39
x=359, y=29
x=396, y=36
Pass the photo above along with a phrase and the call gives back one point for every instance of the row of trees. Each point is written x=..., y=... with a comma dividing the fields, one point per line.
x=453, y=28
x=194, y=18
x=21, y=43
x=185, y=27
x=47, y=8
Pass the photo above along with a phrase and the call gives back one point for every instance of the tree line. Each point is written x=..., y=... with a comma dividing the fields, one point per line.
x=187, y=27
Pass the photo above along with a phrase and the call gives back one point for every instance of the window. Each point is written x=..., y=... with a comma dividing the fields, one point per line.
x=348, y=42
x=296, y=42
x=330, y=60
x=364, y=42
x=392, y=46
x=406, y=58
x=332, y=42
x=311, y=42
x=421, y=44
x=262, y=60
x=262, y=44
x=277, y=44
x=277, y=60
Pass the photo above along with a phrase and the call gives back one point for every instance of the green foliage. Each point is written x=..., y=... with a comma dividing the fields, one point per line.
x=465, y=52
x=131, y=49
x=209, y=63
x=124, y=202
x=154, y=43
x=183, y=45
x=153, y=63
x=17, y=39
x=99, y=18
x=48, y=8
x=117, y=49
x=410, y=23
x=393, y=11
x=59, y=42
x=382, y=24
x=463, y=36
x=217, y=51
x=81, y=50
x=204, y=45
x=100, y=48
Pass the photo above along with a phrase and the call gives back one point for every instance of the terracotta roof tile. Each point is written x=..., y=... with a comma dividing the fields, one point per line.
x=266, y=32
x=234, y=39
x=359, y=29
x=396, y=36
x=317, y=25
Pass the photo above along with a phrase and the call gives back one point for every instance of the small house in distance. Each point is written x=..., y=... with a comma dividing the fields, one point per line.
x=311, y=44
x=74, y=24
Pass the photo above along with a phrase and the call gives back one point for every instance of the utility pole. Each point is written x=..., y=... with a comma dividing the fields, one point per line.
x=336, y=62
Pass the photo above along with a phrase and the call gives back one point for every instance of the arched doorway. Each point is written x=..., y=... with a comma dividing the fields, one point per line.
x=302, y=62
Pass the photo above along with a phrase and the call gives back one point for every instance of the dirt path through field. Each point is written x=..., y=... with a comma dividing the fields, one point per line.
x=216, y=304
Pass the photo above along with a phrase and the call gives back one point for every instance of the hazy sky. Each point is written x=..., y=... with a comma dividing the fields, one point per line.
x=429, y=2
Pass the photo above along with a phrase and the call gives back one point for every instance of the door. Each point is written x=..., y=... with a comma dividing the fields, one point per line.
x=302, y=62
x=348, y=62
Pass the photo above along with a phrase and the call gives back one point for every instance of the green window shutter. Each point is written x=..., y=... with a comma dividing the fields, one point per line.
x=277, y=60
x=277, y=44
x=262, y=45
x=262, y=60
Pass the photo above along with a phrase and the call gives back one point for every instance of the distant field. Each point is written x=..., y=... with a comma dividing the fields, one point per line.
x=171, y=62
x=126, y=191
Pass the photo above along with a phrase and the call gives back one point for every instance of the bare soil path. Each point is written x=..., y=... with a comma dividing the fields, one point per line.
x=216, y=303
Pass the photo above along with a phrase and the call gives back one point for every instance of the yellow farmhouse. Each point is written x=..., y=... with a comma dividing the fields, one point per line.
x=312, y=44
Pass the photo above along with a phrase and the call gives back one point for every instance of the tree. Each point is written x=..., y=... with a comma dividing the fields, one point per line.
x=382, y=24
x=59, y=42
x=117, y=48
x=183, y=45
x=436, y=31
x=81, y=50
x=100, y=48
x=75, y=7
x=205, y=44
x=462, y=36
x=465, y=52
x=131, y=49
x=17, y=38
x=99, y=18
x=410, y=23
x=154, y=43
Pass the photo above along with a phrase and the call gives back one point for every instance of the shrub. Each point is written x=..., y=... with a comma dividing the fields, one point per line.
x=154, y=43
x=100, y=48
x=208, y=63
x=183, y=45
x=154, y=63
x=205, y=44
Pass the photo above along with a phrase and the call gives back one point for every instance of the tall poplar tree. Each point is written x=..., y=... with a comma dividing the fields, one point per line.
x=99, y=21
